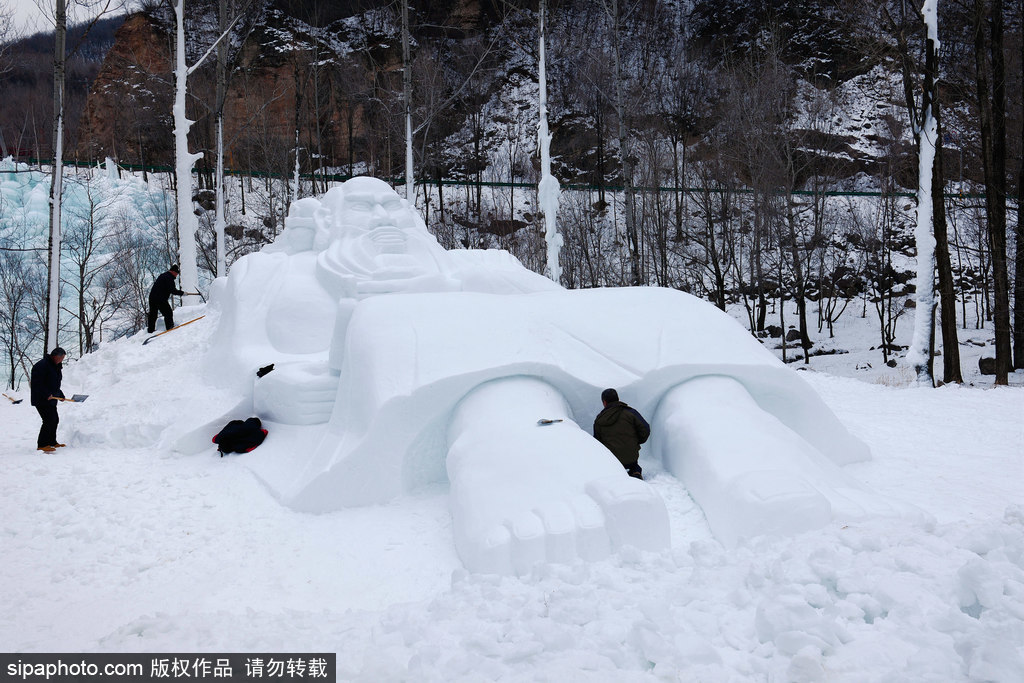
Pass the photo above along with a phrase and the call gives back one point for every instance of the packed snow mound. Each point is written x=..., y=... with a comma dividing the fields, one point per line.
x=138, y=394
x=398, y=365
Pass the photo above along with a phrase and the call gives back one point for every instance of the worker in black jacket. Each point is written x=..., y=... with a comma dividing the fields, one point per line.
x=621, y=429
x=45, y=385
x=159, y=299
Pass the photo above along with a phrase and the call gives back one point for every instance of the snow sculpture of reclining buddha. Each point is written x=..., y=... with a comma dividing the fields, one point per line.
x=398, y=364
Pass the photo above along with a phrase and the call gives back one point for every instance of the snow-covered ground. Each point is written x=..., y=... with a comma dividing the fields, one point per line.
x=116, y=544
x=855, y=349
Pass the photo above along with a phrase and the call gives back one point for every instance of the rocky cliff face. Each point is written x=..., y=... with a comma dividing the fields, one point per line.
x=128, y=106
x=286, y=73
x=332, y=71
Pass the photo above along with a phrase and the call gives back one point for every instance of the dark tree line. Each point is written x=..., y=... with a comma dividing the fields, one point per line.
x=755, y=116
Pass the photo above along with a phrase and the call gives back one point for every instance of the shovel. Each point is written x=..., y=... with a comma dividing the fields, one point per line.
x=176, y=327
x=13, y=400
x=77, y=398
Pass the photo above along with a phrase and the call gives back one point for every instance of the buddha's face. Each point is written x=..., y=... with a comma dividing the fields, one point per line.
x=376, y=235
x=372, y=212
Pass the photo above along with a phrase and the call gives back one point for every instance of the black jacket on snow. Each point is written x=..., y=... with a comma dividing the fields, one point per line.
x=45, y=382
x=622, y=429
x=163, y=288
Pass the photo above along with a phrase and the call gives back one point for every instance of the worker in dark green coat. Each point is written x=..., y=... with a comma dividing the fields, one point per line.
x=621, y=429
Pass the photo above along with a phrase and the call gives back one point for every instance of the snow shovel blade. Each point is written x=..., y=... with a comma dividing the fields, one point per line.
x=78, y=398
x=15, y=401
x=547, y=421
x=176, y=327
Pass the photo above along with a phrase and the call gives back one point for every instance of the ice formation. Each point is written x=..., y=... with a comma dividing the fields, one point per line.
x=398, y=364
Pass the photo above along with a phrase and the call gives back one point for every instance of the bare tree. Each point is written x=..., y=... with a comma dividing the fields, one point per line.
x=991, y=86
x=586, y=254
x=931, y=233
x=98, y=8
x=1018, y=294
x=410, y=189
x=616, y=16
x=7, y=33
x=15, y=332
x=23, y=279
x=57, y=178
x=547, y=189
x=710, y=239
x=840, y=268
x=758, y=145
x=134, y=258
x=220, y=222
x=88, y=237
x=183, y=159
x=920, y=355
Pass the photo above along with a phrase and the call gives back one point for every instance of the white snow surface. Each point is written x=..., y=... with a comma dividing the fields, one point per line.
x=117, y=544
x=120, y=543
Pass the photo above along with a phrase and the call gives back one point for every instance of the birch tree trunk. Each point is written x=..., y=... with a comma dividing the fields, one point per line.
x=410, y=189
x=56, y=181
x=625, y=149
x=1018, y=293
x=183, y=161
x=799, y=281
x=220, y=221
x=296, y=168
x=548, y=188
x=919, y=356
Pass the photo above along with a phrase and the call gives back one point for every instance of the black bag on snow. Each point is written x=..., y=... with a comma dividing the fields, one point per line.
x=240, y=436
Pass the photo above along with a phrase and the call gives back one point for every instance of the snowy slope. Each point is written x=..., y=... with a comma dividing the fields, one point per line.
x=112, y=544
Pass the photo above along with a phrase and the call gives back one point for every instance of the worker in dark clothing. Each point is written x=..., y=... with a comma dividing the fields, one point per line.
x=159, y=299
x=45, y=385
x=621, y=429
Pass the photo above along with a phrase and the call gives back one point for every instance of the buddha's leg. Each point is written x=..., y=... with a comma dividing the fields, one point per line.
x=523, y=493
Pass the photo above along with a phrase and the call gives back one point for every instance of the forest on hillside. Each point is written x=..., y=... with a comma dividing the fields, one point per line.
x=686, y=70
x=743, y=151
